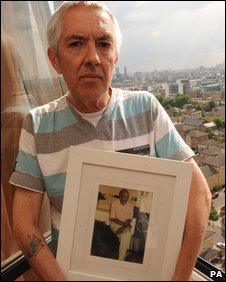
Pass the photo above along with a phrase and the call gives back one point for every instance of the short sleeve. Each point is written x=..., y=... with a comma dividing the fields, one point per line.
x=27, y=173
x=113, y=210
x=168, y=142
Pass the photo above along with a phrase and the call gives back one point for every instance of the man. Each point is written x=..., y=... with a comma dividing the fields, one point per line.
x=121, y=215
x=84, y=41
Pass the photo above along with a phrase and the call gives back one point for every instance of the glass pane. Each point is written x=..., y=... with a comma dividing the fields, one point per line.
x=28, y=81
x=162, y=53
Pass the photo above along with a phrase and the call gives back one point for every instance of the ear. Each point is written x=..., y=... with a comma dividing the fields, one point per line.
x=54, y=59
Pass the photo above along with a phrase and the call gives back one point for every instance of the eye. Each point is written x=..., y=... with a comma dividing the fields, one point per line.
x=76, y=43
x=104, y=44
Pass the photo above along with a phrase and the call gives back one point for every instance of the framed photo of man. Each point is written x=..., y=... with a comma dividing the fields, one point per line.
x=123, y=216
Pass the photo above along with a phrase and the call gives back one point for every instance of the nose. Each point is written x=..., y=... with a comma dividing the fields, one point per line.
x=91, y=56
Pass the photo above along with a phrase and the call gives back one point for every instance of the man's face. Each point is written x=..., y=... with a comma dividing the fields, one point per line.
x=86, y=52
x=124, y=196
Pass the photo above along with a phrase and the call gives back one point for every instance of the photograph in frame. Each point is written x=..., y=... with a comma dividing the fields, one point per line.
x=158, y=193
x=113, y=239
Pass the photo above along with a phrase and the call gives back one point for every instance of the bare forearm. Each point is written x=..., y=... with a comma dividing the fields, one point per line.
x=126, y=224
x=38, y=253
x=192, y=240
x=117, y=221
x=196, y=222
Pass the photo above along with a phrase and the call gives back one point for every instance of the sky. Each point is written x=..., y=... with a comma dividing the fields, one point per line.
x=156, y=34
x=170, y=34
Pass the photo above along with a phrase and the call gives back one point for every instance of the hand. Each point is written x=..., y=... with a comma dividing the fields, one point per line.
x=119, y=231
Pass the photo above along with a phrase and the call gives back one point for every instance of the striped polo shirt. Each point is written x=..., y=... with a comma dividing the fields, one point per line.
x=133, y=122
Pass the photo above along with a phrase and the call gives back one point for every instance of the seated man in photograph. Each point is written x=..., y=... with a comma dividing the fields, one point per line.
x=121, y=215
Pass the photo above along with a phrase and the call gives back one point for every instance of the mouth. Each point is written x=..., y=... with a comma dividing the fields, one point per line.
x=91, y=76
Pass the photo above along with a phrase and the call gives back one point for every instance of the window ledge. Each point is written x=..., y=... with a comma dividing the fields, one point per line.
x=199, y=276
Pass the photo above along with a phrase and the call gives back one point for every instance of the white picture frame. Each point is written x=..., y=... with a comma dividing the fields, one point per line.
x=168, y=181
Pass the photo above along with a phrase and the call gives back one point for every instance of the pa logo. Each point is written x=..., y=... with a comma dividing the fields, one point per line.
x=214, y=273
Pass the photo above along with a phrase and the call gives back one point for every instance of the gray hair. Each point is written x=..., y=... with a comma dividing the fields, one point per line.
x=54, y=28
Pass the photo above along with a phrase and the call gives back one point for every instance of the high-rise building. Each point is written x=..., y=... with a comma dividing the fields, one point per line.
x=183, y=86
x=118, y=74
x=125, y=71
x=173, y=88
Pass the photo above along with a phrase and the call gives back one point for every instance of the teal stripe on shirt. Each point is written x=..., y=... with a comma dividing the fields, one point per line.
x=53, y=121
x=28, y=164
x=132, y=106
x=55, y=184
x=168, y=145
x=57, y=120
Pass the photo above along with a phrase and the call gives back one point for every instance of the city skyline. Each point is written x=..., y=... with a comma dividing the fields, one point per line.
x=121, y=68
x=170, y=34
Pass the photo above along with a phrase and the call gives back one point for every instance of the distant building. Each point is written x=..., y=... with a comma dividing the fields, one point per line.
x=196, y=114
x=216, y=112
x=208, y=144
x=213, y=87
x=159, y=88
x=194, y=137
x=173, y=88
x=118, y=74
x=208, y=240
x=197, y=123
x=210, y=174
x=218, y=163
x=165, y=87
x=125, y=72
x=183, y=86
x=209, y=126
x=183, y=129
x=194, y=82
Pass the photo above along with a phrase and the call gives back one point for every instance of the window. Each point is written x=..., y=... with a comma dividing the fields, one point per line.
x=163, y=51
x=167, y=49
x=28, y=81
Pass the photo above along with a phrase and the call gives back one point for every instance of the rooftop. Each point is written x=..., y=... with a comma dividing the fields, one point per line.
x=209, y=124
x=193, y=121
x=207, y=170
x=209, y=143
x=212, y=151
x=209, y=233
x=218, y=111
x=217, y=161
x=197, y=133
x=184, y=127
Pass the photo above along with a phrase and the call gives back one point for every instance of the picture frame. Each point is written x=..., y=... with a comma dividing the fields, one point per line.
x=89, y=171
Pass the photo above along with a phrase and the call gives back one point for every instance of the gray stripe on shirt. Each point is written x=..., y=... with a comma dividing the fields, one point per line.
x=27, y=181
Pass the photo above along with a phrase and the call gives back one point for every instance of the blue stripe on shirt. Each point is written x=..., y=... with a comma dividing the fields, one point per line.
x=55, y=184
x=28, y=164
x=168, y=145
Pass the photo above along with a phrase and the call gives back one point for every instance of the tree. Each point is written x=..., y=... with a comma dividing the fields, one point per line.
x=217, y=188
x=181, y=100
x=168, y=102
x=217, y=138
x=160, y=98
x=212, y=104
x=213, y=216
x=220, y=122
